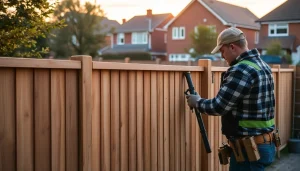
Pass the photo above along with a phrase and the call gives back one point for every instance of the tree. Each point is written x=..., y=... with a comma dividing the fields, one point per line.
x=275, y=48
x=79, y=36
x=203, y=40
x=22, y=24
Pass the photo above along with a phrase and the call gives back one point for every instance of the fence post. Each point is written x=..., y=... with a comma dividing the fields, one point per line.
x=277, y=97
x=207, y=162
x=85, y=112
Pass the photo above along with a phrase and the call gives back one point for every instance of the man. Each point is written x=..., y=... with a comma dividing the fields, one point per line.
x=245, y=100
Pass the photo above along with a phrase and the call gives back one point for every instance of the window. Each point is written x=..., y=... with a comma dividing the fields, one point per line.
x=256, y=38
x=178, y=33
x=120, y=39
x=139, y=38
x=278, y=29
x=179, y=57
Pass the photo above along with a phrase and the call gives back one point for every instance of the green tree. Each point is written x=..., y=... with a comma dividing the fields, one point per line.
x=82, y=34
x=275, y=48
x=22, y=24
x=203, y=40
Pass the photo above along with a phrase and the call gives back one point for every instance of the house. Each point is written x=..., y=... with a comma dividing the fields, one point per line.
x=107, y=28
x=282, y=24
x=142, y=33
x=214, y=14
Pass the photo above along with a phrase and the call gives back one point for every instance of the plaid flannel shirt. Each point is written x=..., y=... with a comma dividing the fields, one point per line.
x=246, y=93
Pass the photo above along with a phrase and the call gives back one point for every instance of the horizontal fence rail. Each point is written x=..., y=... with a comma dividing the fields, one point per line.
x=87, y=115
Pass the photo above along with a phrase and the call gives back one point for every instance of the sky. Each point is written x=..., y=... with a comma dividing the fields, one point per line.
x=119, y=9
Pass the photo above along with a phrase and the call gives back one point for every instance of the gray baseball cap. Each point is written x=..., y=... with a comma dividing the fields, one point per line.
x=227, y=36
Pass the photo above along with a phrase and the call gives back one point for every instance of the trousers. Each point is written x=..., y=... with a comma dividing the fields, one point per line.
x=267, y=155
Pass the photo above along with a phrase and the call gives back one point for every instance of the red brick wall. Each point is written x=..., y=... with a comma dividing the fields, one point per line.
x=250, y=36
x=157, y=41
x=294, y=29
x=191, y=17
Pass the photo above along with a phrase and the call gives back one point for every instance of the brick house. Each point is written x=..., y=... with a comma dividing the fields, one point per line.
x=282, y=24
x=217, y=15
x=142, y=33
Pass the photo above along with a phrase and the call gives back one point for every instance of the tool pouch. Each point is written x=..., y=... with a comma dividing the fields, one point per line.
x=237, y=150
x=251, y=149
x=224, y=153
x=276, y=139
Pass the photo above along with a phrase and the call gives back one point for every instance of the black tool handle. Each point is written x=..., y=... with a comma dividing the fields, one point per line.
x=198, y=115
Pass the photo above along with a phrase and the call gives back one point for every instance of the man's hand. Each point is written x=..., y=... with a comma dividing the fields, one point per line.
x=192, y=100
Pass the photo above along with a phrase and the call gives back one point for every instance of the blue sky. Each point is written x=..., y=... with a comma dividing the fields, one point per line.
x=118, y=9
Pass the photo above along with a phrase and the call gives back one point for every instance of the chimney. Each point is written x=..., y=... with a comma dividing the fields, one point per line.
x=149, y=13
x=123, y=20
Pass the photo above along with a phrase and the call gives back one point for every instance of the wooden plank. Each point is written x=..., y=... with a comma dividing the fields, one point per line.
x=197, y=129
x=166, y=122
x=193, y=125
x=147, y=121
x=140, y=119
x=105, y=120
x=187, y=119
x=172, y=120
x=72, y=124
x=58, y=127
x=115, y=120
x=7, y=119
x=42, y=119
x=182, y=123
x=160, y=121
x=177, y=103
x=85, y=107
x=39, y=63
x=96, y=124
x=132, y=121
x=124, y=119
x=143, y=67
x=24, y=105
x=154, y=123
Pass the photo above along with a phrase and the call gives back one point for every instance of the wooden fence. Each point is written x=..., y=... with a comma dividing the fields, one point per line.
x=85, y=115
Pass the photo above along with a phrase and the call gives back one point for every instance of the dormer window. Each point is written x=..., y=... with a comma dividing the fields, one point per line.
x=278, y=29
x=120, y=39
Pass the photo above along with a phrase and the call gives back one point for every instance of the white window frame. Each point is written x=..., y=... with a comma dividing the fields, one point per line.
x=256, y=37
x=178, y=33
x=278, y=26
x=119, y=37
x=139, y=35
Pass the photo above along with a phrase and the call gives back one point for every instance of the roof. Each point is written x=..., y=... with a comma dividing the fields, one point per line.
x=241, y=17
x=287, y=11
x=141, y=23
x=287, y=42
x=107, y=25
x=127, y=48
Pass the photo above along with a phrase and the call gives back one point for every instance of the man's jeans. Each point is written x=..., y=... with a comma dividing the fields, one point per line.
x=267, y=155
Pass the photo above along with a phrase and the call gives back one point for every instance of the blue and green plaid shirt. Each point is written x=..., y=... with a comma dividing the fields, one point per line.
x=247, y=94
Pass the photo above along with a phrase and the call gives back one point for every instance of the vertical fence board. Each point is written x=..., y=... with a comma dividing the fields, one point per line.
x=193, y=123
x=96, y=138
x=147, y=121
x=115, y=120
x=42, y=119
x=177, y=105
x=153, y=119
x=7, y=120
x=172, y=121
x=182, y=124
x=197, y=128
x=160, y=121
x=72, y=133
x=58, y=119
x=24, y=102
x=140, y=120
x=166, y=122
x=105, y=120
x=124, y=119
x=132, y=121
x=188, y=115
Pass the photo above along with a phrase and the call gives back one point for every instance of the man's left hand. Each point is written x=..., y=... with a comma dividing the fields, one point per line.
x=192, y=100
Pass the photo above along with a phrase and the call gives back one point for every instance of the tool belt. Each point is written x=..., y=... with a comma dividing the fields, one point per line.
x=247, y=144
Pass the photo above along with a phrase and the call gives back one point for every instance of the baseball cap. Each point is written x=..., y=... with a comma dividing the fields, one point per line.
x=227, y=36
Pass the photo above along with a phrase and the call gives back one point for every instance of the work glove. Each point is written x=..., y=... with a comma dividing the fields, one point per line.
x=192, y=100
